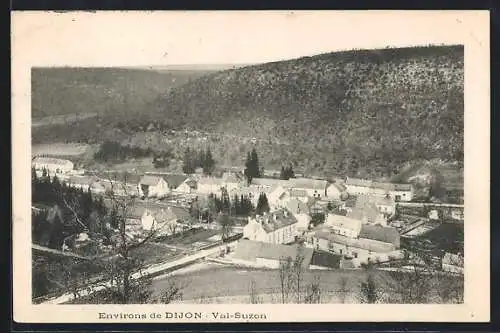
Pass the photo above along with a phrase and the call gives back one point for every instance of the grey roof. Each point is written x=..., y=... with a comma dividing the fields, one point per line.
x=276, y=220
x=250, y=250
x=325, y=259
x=380, y=233
x=150, y=180
x=307, y=183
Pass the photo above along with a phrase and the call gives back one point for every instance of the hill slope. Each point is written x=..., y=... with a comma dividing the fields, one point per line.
x=61, y=91
x=343, y=111
x=356, y=112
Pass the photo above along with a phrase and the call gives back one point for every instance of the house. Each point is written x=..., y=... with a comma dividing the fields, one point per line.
x=263, y=184
x=165, y=220
x=315, y=188
x=453, y=263
x=269, y=255
x=398, y=192
x=433, y=214
x=279, y=227
x=54, y=166
x=356, y=186
x=187, y=186
x=81, y=182
x=402, y=192
x=173, y=180
x=153, y=186
x=343, y=225
x=336, y=191
x=208, y=185
x=328, y=240
x=372, y=209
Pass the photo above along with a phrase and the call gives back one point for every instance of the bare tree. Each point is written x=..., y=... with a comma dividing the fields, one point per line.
x=226, y=223
x=369, y=292
x=314, y=291
x=286, y=278
x=254, y=297
x=343, y=290
x=298, y=272
x=123, y=272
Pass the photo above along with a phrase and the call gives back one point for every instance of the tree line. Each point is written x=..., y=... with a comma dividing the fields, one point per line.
x=112, y=151
x=48, y=227
x=198, y=159
x=116, y=259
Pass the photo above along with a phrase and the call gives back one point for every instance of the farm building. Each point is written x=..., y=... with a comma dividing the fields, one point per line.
x=360, y=248
x=279, y=227
x=153, y=186
x=54, y=166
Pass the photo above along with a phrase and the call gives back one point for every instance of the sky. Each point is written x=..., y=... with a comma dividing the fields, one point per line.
x=138, y=39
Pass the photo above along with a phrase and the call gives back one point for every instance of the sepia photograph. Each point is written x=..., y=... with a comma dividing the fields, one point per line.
x=331, y=176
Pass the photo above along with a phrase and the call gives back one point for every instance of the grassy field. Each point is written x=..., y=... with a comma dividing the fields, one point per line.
x=153, y=253
x=220, y=281
x=222, y=284
x=60, y=149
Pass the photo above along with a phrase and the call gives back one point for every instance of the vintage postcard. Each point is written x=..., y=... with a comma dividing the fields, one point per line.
x=271, y=166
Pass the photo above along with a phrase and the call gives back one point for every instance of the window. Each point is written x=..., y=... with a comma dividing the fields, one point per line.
x=355, y=254
x=340, y=251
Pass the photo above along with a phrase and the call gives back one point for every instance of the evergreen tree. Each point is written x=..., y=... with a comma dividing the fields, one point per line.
x=262, y=204
x=255, y=164
x=236, y=205
x=252, y=168
x=208, y=163
x=187, y=166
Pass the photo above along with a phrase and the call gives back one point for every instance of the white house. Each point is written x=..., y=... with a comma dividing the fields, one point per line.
x=315, y=188
x=343, y=225
x=208, y=185
x=54, y=166
x=453, y=263
x=398, y=192
x=372, y=209
x=335, y=191
x=165, y=220
x=187, y=186
x=279, y=227
x=153, y=186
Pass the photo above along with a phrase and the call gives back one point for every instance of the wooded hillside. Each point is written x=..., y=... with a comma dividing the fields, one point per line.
x=354, y=112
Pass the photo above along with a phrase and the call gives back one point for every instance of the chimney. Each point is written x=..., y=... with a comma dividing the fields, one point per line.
x=275, y=217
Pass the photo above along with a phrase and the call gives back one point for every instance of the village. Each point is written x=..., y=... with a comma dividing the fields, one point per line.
x=345, y=223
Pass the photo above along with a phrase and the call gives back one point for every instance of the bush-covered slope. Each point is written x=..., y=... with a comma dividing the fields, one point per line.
x=61, y=91
x=343, y=111
x=355, y=112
